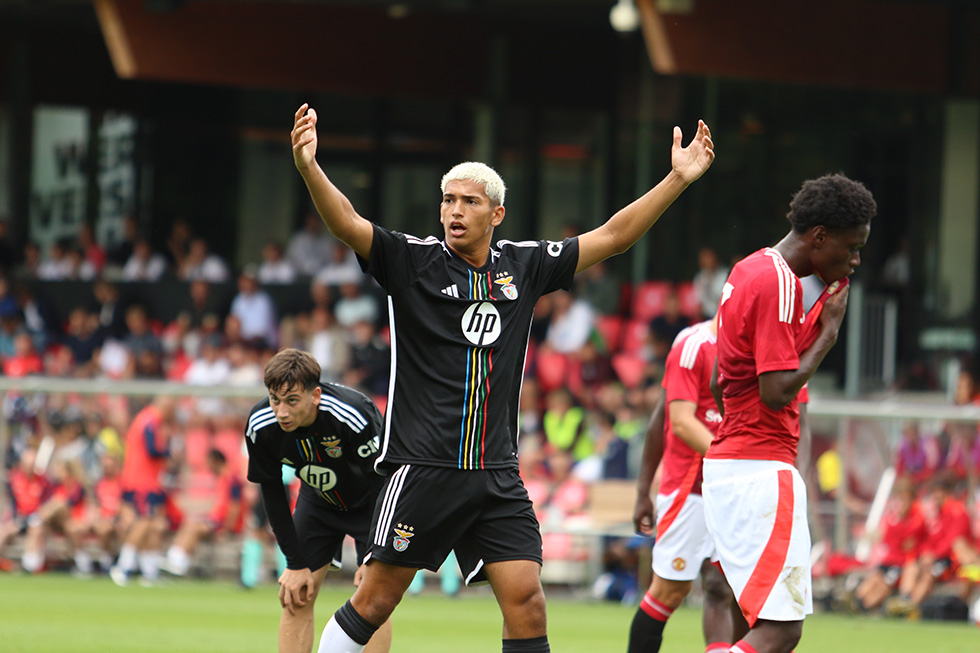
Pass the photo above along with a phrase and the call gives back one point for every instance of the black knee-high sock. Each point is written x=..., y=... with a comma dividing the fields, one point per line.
x=647, y=629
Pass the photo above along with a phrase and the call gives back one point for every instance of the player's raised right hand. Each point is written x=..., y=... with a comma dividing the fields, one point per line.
x=303, y=137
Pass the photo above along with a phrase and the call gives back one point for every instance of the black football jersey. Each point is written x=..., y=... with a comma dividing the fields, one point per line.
x=459, y=338
x=335, y=455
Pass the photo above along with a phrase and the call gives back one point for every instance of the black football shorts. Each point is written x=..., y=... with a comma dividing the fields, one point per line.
x=321, y=529
x=424, y=512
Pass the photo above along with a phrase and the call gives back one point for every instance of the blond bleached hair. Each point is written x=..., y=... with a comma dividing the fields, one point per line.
x=493, y=184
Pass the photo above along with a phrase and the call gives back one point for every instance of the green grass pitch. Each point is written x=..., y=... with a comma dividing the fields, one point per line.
x=58, y=613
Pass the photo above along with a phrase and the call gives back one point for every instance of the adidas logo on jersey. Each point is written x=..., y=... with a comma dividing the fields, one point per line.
x=452, y=291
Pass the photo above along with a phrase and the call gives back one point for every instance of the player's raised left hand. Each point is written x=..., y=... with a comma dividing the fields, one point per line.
x=690, y=162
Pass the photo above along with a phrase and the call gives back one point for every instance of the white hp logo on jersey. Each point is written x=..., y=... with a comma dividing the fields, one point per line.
x=481, y=323
x=319, y=478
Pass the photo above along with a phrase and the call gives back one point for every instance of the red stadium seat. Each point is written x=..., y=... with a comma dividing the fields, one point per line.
x=634, y=336
x=690, y=303
x=629, y=369
x=610, y=327
x=648, y=299
x=551, y=368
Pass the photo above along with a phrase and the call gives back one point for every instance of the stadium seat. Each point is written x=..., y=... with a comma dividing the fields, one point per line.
x=551, y=368
x=648, y=299
x=690, y=304
x=197, y=443
x=610, y=327
x=629, y=369
x=633, y=336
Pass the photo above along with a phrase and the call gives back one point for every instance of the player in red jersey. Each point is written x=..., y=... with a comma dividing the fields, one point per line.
x=946, y=546
x=683, y=547
x=902, y=535
x=755, y=499
x=28, y=490
x=144, y=496
x=226, y=517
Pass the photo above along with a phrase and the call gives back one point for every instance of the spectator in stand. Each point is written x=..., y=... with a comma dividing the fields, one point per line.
x=565, y=427
x=275, y=269
x=309, y=248
x=962, y=458
x=709, y=281
x=111, y=311
x=225, y=518
x=118, y=253
x=245, y=368
x=599, y=289
x=255, y=310
x=591, y=370
x=8, y=302
x=92, y=251
x=947, y=547
x=39, y=317
x=902, y=534
x=79, y=267
x=179, y=241
x=665, y=327
x=355, y=306
x=202, y=263
x=30, y=263
x=145, y=347
x=28, y=489
x=370, y=360
x=917, y=457
x=144, y=497
x=571, y=323
x=342, y=267
x=9, y=252
x=209, y=368
x=57, y=266
x=83, y=339
x=329, y=345
x=25, y=360
x=144, y=264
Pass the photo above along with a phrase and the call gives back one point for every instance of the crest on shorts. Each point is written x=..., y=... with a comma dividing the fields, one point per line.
x=507, y=287
x=678, y=564
x=332, y=445
x=404, y=533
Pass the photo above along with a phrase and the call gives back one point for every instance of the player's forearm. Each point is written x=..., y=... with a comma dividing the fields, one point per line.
x=693, y=433
x=281, y=520
x=335, y=209
x=632, y=221
x=778, y=389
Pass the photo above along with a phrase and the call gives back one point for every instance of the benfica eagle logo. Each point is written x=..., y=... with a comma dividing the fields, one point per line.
x=404, y=533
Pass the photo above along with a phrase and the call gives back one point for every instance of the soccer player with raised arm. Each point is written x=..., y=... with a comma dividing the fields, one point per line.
x=460, y=313
x=329, y=434
x=754, y=497
x=677, y=437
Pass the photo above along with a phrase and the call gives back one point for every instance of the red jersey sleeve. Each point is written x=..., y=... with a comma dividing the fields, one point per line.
x=778, y=306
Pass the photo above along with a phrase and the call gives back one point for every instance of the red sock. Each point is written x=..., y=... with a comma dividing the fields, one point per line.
x=718, y=647
x=655, y=609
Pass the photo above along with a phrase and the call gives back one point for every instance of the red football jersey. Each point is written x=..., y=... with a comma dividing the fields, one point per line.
x=902, y=535
x=687, y=377
x=760, y=320
x=141, y=469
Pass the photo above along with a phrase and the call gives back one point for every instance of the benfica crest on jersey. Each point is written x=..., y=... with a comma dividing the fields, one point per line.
x=507, y=287
x=404, y=533
x=332, y=444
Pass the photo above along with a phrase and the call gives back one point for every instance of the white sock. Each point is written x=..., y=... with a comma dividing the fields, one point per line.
x=32, y=561
x=83, y=561
x=180, y=562
x=335, y=640
x=150, y=564
x=127, y=558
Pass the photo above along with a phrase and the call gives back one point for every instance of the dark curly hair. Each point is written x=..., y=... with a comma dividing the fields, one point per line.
x=833, y=201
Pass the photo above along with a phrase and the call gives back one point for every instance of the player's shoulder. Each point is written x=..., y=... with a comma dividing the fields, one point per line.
x=530, y=249
x=348, y=405
x=692, y=342
x=261, y=416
